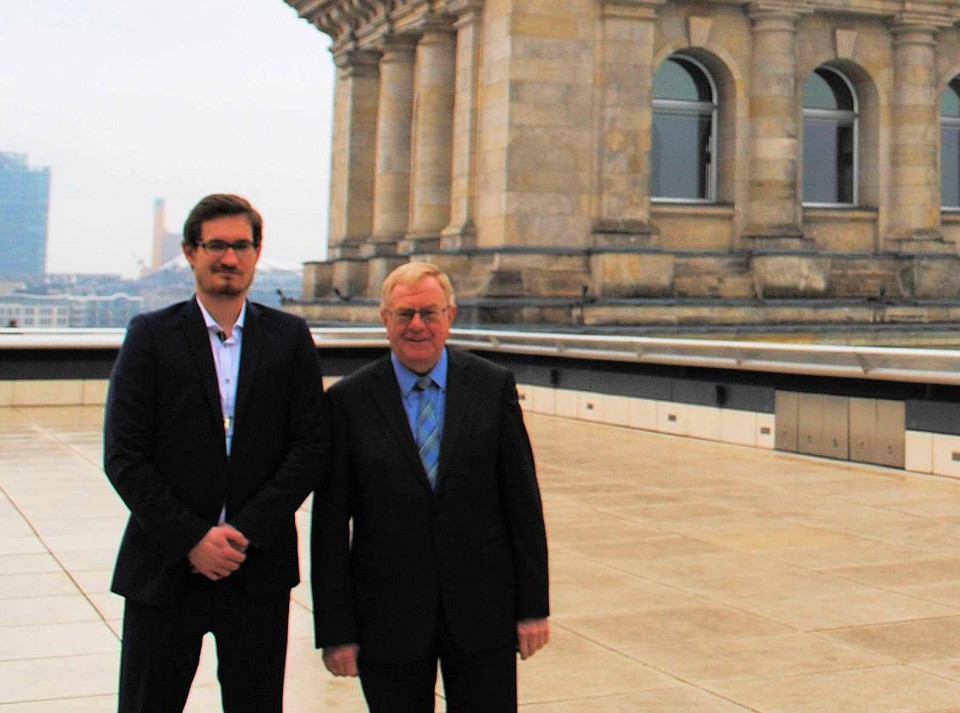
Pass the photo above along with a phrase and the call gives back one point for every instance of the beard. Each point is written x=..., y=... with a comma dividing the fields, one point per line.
x=234, y=287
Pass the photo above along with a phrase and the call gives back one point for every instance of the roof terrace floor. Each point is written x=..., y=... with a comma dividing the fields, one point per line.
x=686, y=577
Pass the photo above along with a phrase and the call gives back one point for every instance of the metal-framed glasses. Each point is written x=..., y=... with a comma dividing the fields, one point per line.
x=220, y=247
x=429, y=315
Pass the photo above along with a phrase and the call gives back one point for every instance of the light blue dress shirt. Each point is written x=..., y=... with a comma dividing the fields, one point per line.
x=226, y=359
x=407, y=379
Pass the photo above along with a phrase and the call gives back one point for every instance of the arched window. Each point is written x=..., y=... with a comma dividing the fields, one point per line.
x=950, y=146
x=684, y=131
x=830, y=136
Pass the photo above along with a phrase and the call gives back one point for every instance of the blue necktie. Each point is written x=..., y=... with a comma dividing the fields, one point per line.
x=428, y=429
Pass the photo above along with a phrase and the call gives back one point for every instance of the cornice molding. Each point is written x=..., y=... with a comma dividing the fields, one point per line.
x=344, y=20
x=631, y=9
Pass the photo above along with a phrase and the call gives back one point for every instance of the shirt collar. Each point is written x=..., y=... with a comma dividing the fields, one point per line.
x=408, y=379
x=211, y=323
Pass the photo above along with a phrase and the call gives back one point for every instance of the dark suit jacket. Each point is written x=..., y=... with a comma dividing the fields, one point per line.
x=165, y=455
x=477, y=547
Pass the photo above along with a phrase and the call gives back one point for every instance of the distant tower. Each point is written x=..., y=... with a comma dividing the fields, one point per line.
x=24, y=206
x=166, y=245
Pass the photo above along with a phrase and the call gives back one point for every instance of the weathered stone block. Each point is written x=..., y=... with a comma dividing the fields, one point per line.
x=785, y=276
x=725, y=277
x=350, y=278
x=377, y=269
x=632, y=274
x=936, y=277
x=868, y=277
x=317, y=279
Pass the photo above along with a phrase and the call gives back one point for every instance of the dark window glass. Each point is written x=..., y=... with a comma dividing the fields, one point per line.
x=827, y=90
x=950, y=106
x=681, y=80
x=950, y=146
x=829, y=139
x=950, y=166
x=681, y=157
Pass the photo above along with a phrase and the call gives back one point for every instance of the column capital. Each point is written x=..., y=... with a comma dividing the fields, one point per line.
x=394, y=45
x=778, y=11
x=464, y=9
x=914, y=28
x=435, y=24
x=921, y=19
x=354, y=62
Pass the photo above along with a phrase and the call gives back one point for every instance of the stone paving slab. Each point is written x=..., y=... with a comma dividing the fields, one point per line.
x=687, y=577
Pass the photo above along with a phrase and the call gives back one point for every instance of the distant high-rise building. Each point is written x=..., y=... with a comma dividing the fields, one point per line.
x=166, y=245
x=24, y=205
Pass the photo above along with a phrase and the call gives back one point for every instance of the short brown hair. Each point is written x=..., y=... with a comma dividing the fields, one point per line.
x=218, y=205
x=410, y=274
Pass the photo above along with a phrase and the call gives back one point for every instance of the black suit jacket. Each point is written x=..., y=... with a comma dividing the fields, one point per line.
x=477, y=546
x=165, y=455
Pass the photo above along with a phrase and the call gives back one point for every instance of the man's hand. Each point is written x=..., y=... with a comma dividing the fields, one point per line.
x=532, y=635
x=341, y=660
x=220, y=553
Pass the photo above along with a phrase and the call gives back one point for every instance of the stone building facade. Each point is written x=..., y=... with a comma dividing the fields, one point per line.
x=640, y=162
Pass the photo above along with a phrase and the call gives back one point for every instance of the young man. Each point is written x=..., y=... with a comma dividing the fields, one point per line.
x=448, y=556
x=212, y=438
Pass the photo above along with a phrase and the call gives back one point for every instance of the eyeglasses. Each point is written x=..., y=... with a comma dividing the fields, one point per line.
x=429, y=315
x=220, y=247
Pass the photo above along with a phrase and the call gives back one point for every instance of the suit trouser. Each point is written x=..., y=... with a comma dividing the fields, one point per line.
x=481, y=682
x=161, y=649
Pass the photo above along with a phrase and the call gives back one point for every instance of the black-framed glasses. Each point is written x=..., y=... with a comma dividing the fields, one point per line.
x=220, y=247
x=429, y=315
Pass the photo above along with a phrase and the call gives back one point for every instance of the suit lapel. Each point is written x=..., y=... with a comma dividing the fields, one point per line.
x=198, y=340
x=385, y=391
x=459, y=388
x=251, y=348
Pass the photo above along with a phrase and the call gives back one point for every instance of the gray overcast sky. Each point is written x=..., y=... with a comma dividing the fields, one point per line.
x=131, y=100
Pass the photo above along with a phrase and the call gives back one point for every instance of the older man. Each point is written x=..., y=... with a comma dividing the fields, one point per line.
x=448, y=556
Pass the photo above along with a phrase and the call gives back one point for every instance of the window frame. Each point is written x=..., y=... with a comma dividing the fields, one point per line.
x=690, y=109
x=951, y=123
x=841, y=117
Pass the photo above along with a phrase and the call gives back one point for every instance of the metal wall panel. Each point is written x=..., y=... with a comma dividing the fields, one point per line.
x=786, y=405
x=891, y=427
x=822, y=425
x=863, y=430
x=836, y=427
x=877, y=428
x=810, y=424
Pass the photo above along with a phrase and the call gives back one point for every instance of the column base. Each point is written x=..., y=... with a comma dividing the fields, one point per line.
x=379, y=246
x=920, y=242
x=780, y=238
x=456, y=238
x=349, y=248
x=623, y=233
x=416, y=243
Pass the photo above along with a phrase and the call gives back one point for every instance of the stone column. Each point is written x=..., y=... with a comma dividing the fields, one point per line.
x=462, y=231
x=626, y=122
x=353, y=156
x=773, y=205
x=619, y=264
x=432, y=135
x=915, y=195
x=391, y=193
x=783, y=265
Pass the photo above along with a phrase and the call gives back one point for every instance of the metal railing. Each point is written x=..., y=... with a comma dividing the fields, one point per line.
x=933, y=366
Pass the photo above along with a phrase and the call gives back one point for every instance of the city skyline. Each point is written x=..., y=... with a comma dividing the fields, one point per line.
x=173, y=101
